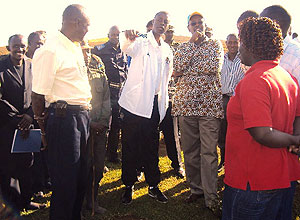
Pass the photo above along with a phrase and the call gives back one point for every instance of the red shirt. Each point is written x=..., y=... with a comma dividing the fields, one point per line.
x=266, y=97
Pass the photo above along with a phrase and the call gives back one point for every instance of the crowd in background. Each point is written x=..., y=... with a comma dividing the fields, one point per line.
x=88, y=101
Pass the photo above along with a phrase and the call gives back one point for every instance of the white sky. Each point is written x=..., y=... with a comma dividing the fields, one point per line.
x=19, y=16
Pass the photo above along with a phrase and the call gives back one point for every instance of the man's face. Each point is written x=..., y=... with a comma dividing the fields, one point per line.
x=160, y=23
x=169, y=36
x=113, y=36
x=37, y=41
x=232, y=44
x=82, y=27
x=196, y=23
x=17, y=47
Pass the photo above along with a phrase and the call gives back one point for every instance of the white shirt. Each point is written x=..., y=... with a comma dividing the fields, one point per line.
x=231, y=74
x=290, y=59
x=149, y=73
x=59, y=72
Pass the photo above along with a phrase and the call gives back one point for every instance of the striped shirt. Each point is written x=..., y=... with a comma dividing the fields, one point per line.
x=231, y=74
x=290, y=59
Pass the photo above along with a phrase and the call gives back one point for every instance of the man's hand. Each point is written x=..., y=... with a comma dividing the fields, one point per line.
x=97, y=128
x=25, y=134
x=25, y=122
x=44, y=141
x=131, y=34
x=197, y=37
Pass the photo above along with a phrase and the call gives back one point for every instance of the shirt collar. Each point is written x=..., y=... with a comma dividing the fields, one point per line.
x=234, y=59
x=153, y=40
x=263, y=65
x=67, y=42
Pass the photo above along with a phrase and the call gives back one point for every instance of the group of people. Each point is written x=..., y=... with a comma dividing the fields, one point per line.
x=139, y=84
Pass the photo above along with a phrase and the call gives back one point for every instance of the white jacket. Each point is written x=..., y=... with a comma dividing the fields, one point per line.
x=139, y=90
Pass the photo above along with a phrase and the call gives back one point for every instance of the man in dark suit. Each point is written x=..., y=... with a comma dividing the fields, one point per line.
x=116, y=70
x=15, y=113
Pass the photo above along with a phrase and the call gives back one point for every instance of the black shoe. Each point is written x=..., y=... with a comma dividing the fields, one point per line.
x=179, y=172
x=154, y=192
x=127, y=196
x=193, y=197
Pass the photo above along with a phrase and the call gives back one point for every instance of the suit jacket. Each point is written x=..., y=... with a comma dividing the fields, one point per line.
x=15, y=99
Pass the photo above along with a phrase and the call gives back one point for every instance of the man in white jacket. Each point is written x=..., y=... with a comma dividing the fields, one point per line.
x=144, y=101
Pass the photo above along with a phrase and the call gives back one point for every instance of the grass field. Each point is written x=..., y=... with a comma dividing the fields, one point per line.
x=143, y=207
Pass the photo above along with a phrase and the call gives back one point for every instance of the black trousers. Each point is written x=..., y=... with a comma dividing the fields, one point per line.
x=223, y=128
x=19, y=170
x=114, y=132
x=167, y=127
x=140, y=142
x=67, y=153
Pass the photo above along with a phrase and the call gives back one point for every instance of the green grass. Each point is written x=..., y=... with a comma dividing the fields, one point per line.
x=144, y=207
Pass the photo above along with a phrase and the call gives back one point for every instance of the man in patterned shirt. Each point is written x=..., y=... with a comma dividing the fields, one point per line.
x=198, y=103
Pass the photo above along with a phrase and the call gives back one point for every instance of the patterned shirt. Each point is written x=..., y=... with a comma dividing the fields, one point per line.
x=231, y=74
x=290, y=59
x=172, y=83
x=198, y=91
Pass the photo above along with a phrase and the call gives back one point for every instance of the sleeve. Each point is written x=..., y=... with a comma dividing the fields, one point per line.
x=44, y=67
x=213, y=61
x=182, y=57
x=255, y=103
x=106, y=106
x=298, y=99
x=131, y=48
x=8, y=113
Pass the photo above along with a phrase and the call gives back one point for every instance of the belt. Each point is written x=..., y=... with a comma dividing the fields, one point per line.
x=115, y=85
x=73, y=107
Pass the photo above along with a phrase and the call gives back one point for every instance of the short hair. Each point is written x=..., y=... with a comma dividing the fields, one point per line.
x=11, y=37
x=294, y=35
x=231, y=35
x=161, y=12
x=279, y=14
x=72, y=12
x=33, y=34
x=150, y=23
x=262, y=37
x=247, y=14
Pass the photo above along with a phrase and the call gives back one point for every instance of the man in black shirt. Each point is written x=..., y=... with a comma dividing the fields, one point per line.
x=116, y=70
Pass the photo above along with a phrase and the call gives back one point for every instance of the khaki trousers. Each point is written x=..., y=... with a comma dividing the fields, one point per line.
x=199, y=138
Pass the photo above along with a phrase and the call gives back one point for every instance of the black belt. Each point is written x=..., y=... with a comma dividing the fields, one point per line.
x=73, y=107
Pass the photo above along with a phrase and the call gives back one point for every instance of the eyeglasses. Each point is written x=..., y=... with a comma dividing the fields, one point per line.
x=195, y=23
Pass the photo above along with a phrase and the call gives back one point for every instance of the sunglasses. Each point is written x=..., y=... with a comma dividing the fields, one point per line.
x=195, y=23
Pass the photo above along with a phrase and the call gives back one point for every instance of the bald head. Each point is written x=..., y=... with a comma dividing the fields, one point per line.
x=73, y=12
x=280, y=15
x=113, y=35
x=75, y=22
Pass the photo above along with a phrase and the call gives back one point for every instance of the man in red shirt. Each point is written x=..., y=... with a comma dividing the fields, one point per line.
x=259, y=170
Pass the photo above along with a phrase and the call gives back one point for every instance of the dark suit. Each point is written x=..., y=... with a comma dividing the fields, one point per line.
x=15, y=99
x=115, y=63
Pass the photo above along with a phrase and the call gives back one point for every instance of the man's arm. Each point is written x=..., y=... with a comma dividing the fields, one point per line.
x=38, y=107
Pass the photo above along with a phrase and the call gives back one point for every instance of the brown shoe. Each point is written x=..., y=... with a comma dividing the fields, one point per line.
x=193, y=198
